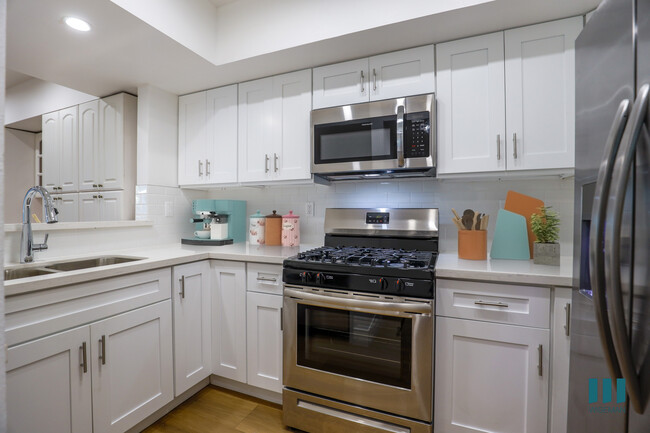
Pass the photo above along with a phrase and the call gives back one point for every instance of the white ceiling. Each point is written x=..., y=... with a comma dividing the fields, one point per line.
x=122, y=52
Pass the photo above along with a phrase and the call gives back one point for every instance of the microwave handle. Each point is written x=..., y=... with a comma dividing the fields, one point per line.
x=400, y=136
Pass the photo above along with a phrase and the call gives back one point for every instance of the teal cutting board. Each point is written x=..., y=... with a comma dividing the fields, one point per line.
x=510, y=237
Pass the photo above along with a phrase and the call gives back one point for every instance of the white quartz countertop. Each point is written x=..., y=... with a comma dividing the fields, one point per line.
x=507, y=271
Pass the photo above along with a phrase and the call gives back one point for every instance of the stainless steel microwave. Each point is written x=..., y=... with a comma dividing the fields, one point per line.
x=393, y=138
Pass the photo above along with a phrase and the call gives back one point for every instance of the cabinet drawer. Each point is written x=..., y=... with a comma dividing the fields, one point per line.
x=36, y=314
x=264, y=278
x=517, y=305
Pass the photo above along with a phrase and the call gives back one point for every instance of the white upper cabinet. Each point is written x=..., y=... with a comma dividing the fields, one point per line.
x=471, y=105
x=89, y=145
x=540, y=91
x=60, y=147
x=68, y=207
x=274, y=128
x=192, y=132
x=402, y=73
x=104, y=206
x=341, y=84
x=391, y=75
x=221, y=152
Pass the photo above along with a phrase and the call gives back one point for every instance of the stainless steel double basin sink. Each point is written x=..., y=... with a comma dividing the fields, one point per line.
x=34, y=270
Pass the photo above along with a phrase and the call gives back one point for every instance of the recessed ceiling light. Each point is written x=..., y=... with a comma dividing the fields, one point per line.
x=77, y=24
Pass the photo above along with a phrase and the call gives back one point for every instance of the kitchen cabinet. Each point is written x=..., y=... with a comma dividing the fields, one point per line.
x=560, y=360
x=60, y=149
x=274, y=128
x=68, y=206
x=89, y=145
x=116, y=164
x=228, y=302
x=207, y=137
x=49, y=385
x=526, y=124
x=103, y=206
x=490, y=377
x=192, y=325
x=132, y=366
x=390, y=75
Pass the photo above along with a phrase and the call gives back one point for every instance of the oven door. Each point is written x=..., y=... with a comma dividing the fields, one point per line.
x=368, y=352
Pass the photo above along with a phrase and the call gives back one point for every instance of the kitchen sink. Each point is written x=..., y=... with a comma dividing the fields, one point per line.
x=21, y=272
x=74, y=265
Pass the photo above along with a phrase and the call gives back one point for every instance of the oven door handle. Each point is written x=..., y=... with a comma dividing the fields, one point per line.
x=335, y=301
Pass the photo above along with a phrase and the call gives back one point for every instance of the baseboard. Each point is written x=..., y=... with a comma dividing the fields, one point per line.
x=273, y=397
x=169, y=407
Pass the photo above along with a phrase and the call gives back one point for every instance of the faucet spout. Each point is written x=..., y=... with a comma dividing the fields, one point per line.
x=27, y=246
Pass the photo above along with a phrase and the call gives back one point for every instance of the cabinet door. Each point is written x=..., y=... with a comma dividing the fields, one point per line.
x=111, y=205
x=471, y=105
x=68, y=150
x=560, y=360
x=50, y=152
x=540, y=95
x=221, y=154
x=68, y=207
x=111, y=140
x=191, y=301
x=402, y=73
x=264, y=340
x=488, y=377
x=291, y=135
x=132, y=367
x=47, y=387
x=89, y=206
x=341, y=84
x=89, y=146
x=191, y=138
x=228, y=280
x=255, y=130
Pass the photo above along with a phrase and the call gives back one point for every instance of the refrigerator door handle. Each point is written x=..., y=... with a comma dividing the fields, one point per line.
x=596, y=235
x=620, y=176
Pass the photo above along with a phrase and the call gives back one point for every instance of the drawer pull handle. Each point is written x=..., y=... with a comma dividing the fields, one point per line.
x=567, y=324
x=102, y=344
x=84, y=359
x=182, y=281
x=491, y=304
x=269, y=280
x=540, y=353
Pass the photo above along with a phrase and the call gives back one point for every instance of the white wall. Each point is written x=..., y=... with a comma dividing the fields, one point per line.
x=157, y=137
x=35, y=97
x=19, y=173
x=484, y=196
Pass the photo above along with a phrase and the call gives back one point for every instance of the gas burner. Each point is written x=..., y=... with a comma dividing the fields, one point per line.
x=368, y=257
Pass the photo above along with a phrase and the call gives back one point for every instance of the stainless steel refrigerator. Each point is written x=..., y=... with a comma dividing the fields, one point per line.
x=610, y=327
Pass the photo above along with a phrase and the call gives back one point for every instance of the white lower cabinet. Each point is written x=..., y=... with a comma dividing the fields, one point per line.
x=192, y=325
x=264, y=340
x=47, y=387
x=490, y=377
x=228, y=299
x=560, y=360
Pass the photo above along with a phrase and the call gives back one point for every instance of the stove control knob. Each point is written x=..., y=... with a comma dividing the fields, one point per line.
x=383, y=284
x=320, y=277
x=399, y=285
x=305, y=277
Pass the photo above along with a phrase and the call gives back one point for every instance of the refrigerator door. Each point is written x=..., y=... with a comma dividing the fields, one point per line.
x=604, y=79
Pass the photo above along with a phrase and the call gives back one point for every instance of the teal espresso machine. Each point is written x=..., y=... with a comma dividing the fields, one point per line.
x=219, y=212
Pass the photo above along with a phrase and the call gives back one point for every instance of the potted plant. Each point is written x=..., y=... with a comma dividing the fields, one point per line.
x=546, y=227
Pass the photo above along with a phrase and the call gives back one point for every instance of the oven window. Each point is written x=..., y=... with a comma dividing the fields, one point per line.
x=355, y=140
x=366, y=346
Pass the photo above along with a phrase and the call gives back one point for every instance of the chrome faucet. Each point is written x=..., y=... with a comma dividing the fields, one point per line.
x=27, y=246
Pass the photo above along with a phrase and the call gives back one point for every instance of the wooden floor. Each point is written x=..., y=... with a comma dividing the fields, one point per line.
x=214, y=410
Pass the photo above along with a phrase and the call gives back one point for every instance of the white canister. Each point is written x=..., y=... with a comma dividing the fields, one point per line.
x=256, y=225
x=219, y=227
x=290, y=230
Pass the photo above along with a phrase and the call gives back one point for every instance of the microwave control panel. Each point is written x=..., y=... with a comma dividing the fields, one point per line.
x=417, y=135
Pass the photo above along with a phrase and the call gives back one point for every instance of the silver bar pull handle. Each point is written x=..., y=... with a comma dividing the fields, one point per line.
x=207, y=167
x=275, y=162
x=614, y=220
x=514, y=142
x=266, y=163
x=200, y=168
x=84, y=358
x=596, y=235
x=269, y=280
x=182, y=292
x=498, y=147
x=281, y=317
x=102, y=349
x=491, y=304
x=351, y=419
x=374, y=79
x=363, y=87
x=400, y=136
x=540, y=353
x=567, y=319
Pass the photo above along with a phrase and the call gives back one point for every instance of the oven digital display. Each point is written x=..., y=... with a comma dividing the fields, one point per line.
x=377, y=217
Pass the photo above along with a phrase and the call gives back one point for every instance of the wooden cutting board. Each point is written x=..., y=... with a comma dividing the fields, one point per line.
x=525, y=206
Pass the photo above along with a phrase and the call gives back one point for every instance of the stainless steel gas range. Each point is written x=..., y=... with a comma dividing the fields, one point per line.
x=359, y=324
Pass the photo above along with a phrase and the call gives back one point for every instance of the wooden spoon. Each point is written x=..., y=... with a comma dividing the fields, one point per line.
x=477, y=221
x=468, y=219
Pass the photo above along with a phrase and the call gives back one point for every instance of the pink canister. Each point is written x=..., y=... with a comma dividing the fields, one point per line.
x=290, y=230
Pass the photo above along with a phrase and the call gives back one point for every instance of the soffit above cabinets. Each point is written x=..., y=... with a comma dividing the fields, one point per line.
x=209, y=43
